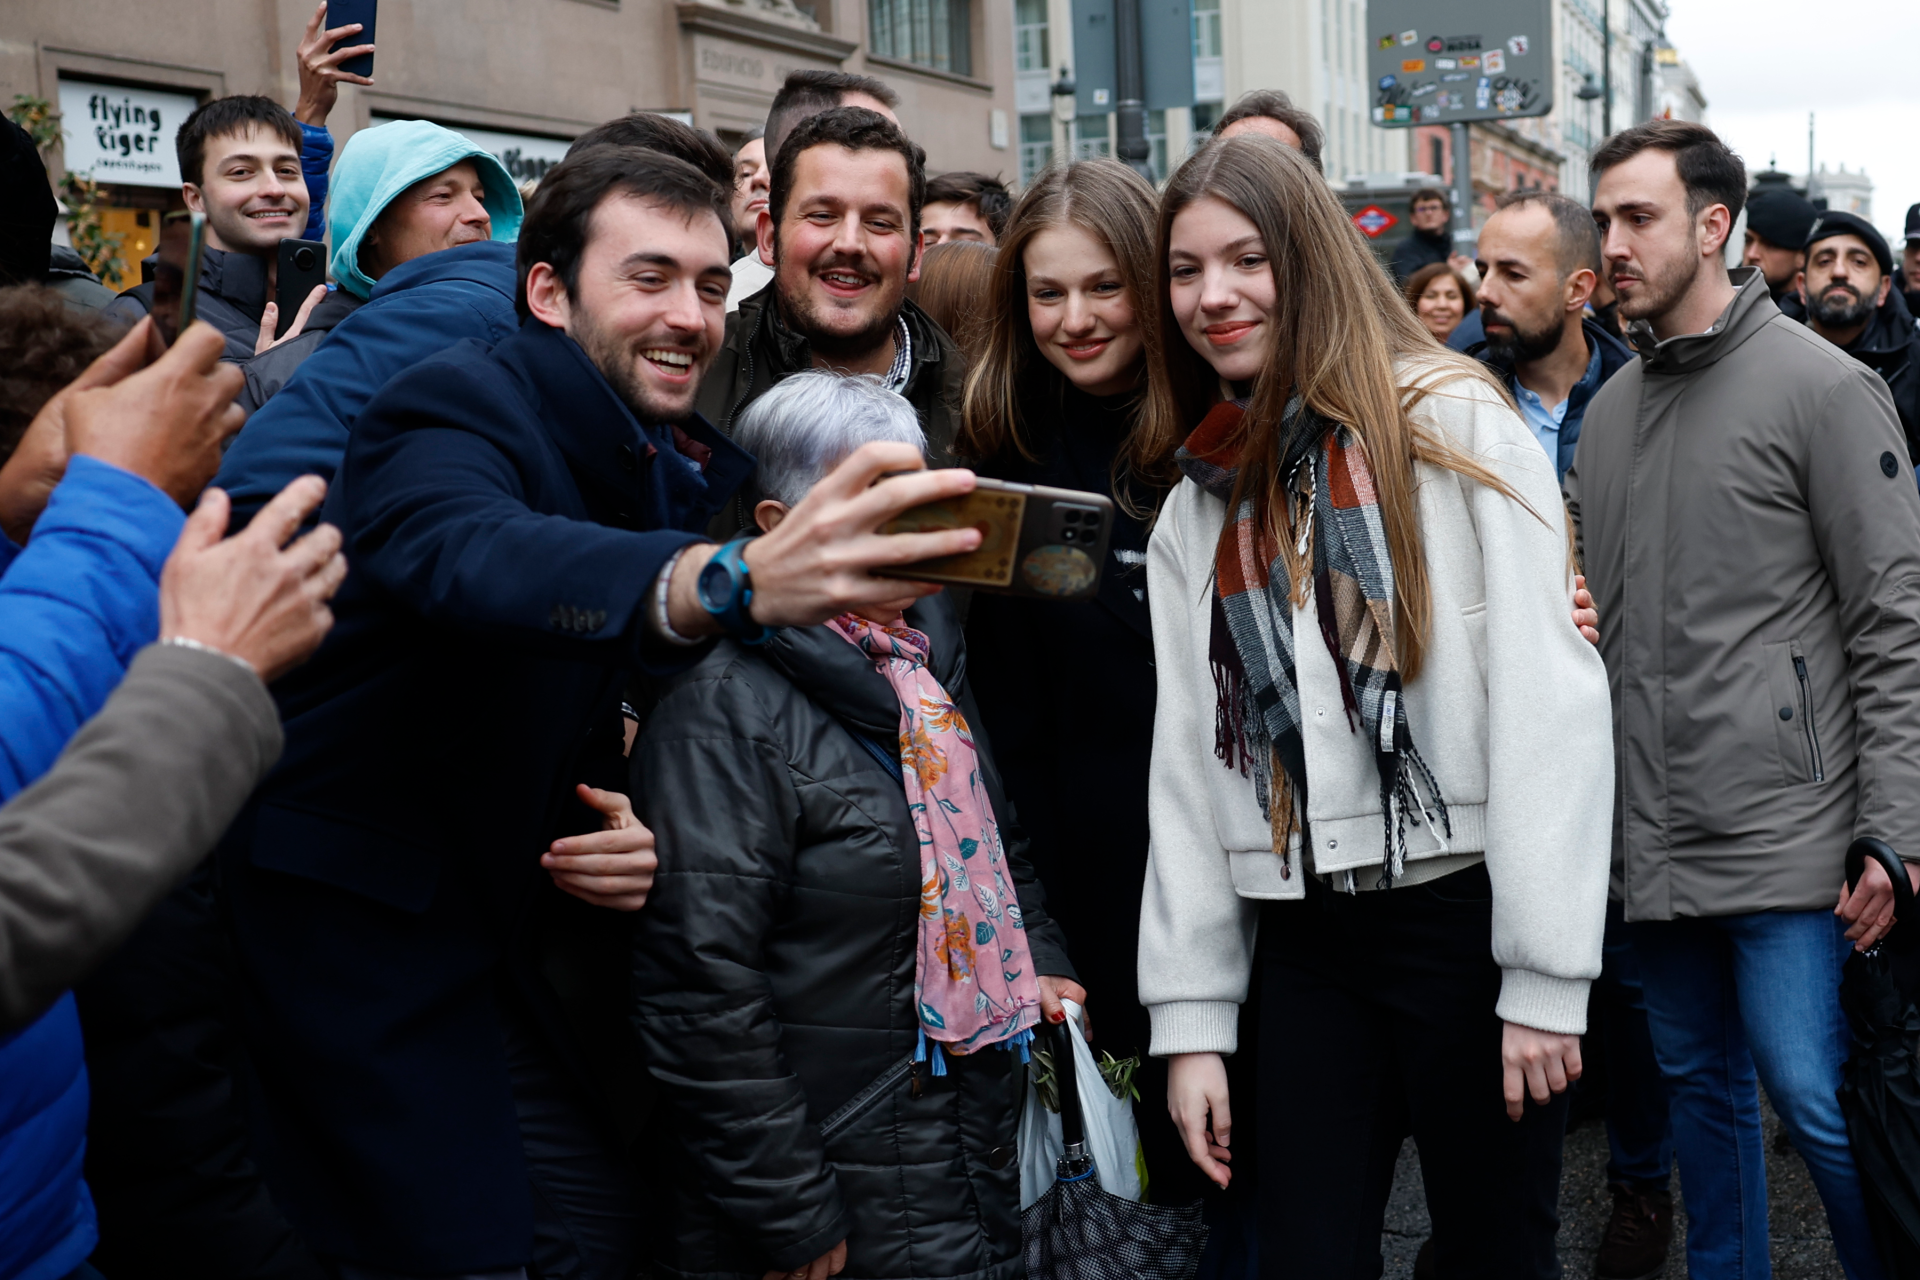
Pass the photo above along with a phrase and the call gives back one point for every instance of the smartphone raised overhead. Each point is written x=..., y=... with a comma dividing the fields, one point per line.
x=1035, y=540
x=302, y=264
x=176, y=273
x=342, y=12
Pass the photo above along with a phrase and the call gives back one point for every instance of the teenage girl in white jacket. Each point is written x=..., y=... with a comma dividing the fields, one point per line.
x=1382, y=764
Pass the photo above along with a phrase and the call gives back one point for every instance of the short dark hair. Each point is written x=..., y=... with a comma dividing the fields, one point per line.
x=808, y=93
x=560, y=217
x=1579, y=234
x=1274, y=104
x=44, y=345
x=1709, y=170
x=1428, y=193
x=218, y=117
x=988, y=197
x=857, y=129
x=651, y=131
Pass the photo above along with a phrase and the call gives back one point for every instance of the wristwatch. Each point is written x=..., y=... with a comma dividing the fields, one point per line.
x=725, y=590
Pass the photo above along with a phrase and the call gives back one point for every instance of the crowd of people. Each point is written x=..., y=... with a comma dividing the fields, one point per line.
x=520, y=824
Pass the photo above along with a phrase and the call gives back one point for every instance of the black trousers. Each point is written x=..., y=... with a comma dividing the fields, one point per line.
x=1376, y=1021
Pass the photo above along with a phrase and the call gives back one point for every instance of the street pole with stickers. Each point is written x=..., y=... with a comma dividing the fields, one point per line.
x=1454, y=62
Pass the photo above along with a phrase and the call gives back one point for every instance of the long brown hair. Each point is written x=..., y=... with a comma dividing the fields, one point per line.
x=1110, y=202
x=1338, y=326
x=952, y=290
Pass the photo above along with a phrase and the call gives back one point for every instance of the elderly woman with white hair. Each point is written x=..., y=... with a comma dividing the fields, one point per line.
x=841, y=963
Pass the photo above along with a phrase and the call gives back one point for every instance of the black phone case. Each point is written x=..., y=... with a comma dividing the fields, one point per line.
x=339, y=14
x=302, y=265
x=1061, y=547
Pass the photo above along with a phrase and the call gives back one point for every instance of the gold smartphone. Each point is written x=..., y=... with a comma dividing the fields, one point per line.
x=1035, y=541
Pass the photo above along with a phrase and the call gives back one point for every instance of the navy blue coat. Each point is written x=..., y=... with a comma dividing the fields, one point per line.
x=1614, y=354
x=417, y=310
x=504, y=515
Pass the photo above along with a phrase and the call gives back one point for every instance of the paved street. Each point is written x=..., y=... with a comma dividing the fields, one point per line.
x=1801, y=1248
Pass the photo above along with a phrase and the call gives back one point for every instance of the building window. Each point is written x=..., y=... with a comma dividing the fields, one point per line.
x=1036, y=146
x=1209, y=78
x=1030, y=50
x=1206, y=28
x=1091, y=139
x=1157, y=144
x=933, y=33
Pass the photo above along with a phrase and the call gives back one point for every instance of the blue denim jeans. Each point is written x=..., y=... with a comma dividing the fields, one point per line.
x=1639, y=1138
x=1732, y=999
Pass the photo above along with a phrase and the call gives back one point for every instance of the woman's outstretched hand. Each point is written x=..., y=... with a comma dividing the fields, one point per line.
x=1197, y=1097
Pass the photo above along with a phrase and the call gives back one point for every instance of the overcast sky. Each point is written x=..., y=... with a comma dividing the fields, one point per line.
x=1763, y=64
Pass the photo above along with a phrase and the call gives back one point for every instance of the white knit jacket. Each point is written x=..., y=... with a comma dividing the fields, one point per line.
x=1510, y=712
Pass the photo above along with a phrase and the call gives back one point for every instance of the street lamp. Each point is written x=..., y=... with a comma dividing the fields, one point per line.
x=1063, y=91
x=1588, y=93
x=1064, y=110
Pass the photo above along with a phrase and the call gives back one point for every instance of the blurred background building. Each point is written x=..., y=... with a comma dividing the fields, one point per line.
x=521, y=77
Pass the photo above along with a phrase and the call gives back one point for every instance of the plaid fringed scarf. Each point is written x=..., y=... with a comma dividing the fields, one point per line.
x=1257, y=724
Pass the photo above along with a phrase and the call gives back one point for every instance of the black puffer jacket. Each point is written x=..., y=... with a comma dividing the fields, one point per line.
x=773, y=979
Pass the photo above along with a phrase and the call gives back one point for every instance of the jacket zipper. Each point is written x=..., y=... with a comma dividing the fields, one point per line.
x=1806, y=717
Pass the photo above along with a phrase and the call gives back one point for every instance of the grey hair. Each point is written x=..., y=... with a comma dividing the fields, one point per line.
x=808, y=424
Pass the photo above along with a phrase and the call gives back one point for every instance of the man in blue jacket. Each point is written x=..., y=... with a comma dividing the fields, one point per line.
x=423, y=229
x=76, y=603
x=521, y=524
x=1539, y=262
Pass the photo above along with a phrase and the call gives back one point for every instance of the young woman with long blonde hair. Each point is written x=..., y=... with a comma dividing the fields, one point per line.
x=1382, y=768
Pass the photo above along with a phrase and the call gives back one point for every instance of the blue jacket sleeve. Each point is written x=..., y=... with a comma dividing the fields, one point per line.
x=303, y=430
x=75, y=607
x=436, y=515
x=316, y=156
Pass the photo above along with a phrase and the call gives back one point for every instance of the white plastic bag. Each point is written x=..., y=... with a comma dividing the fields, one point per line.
x=1112, y=1138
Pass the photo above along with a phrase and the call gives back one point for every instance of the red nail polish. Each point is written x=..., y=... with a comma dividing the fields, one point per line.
x=1057, y=1017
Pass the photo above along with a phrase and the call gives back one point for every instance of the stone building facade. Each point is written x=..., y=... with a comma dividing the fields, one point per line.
x=522, y=77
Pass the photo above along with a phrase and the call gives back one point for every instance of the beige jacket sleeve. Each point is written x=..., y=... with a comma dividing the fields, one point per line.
x=139, y=796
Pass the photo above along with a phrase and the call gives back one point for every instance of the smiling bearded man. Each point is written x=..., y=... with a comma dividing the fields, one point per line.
x=842, y=226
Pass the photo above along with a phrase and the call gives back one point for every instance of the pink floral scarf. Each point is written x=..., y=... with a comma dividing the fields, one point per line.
x=974, y=983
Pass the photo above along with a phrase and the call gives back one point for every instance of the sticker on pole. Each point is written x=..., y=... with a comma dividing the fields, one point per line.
x=1373, y=221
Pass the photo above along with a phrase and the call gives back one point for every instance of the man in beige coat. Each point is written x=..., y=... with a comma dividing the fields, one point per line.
x=1751, y=533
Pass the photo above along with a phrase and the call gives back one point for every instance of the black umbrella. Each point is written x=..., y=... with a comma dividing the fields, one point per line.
x=1076, y=1231
x=1881, y=1091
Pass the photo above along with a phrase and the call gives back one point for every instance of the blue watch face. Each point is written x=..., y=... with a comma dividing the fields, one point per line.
x=715, y=586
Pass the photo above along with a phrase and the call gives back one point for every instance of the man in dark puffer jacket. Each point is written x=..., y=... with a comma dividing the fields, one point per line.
x=774, y=977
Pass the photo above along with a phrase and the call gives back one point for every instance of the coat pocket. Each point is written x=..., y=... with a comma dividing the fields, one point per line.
x=1790, y=692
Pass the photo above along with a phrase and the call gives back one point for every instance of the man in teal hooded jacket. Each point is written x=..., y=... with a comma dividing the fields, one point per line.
x=423, y=225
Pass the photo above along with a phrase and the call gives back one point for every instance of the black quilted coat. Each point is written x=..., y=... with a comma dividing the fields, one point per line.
x=773, y=979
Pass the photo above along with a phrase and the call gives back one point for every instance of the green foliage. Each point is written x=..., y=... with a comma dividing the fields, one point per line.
x=91, y=240
x=38, y=117
x=1116, y=1073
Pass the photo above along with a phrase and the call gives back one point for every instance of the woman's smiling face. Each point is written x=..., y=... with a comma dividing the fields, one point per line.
x=1222, y=287
x=1081, y=311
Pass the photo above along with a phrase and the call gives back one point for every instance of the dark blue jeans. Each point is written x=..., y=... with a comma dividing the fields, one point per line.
x=1639, y=1138
x=1732, y=1000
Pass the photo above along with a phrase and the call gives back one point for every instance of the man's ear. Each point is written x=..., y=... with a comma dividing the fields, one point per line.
x=1716, y=224
x=768, y=512
x=919, y=251
x=1580, y=286
x=1886, y=287
x=195, y=198
x=763, y=234
x=547, y=299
